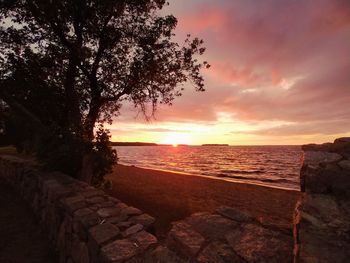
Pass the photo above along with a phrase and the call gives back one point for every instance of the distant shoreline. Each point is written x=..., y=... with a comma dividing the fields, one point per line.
x=206, y=145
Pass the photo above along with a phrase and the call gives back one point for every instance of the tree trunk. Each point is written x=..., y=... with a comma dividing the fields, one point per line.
x=88, y=161
x=87, y=170
x=72, y=103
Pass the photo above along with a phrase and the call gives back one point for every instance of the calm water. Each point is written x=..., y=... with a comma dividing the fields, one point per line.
x=269, y=165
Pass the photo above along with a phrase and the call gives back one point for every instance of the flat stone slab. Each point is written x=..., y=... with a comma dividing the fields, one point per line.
x=132, y=230
x=144, y=219
x=95, y=200
x=90, y=220
x=322, y=230
x=345, y=164
x=144, y=240
x=103, y=233
x=184, y=240
x=119, y=251
x=257, y=244
x=108, y=212
x=74, y=203
x=211, y=225
x=314, y=158
x=218, y=252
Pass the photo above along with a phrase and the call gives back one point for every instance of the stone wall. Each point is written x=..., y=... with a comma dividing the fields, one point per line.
x=83, y=223
x=322, y=216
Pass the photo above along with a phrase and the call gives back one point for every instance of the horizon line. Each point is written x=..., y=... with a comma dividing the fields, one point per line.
x=203, y=144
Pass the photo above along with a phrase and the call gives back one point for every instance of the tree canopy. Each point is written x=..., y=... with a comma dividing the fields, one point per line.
x=67, y=65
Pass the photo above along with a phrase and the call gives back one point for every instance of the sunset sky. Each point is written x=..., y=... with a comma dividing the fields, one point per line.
x=280, y=75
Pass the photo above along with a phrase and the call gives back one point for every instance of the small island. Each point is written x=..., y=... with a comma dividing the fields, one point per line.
x=215, y=144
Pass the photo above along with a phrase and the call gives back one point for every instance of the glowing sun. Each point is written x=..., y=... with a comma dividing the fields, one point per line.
x=175, y=139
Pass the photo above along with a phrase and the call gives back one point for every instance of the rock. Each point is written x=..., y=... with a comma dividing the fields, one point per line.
x=211, y=225
x=218, y=252
x=257, y=244
x=82, y=212
x=121, y=205
x=118, y=251
x=49, y=184
x=132, y=230
x=92, y=192
x=117, y=219
x=345, y=164
x=74, y=203
x=108, y=212
x=102, y=234
x=131, y=211
x=345, y=206
x=56, y=192
x=234, y=214
x=113, y=199
x=183, y=240
x=322, y=211
x=144, y=219
x=80, y=252
x=144, y=240
x=161, y=254
x=321, y=230
x=325, y=147
x=342, y=140
x=324, y=180
x=123, y=225
x=95, y=200
x=314, y=158
x=89, y=220
x=106, y=204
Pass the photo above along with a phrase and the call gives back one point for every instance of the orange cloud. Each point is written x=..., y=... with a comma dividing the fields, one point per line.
x=202, y=20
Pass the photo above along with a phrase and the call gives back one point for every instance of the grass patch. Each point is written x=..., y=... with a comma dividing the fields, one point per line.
x=8, y=150
x=11, y=151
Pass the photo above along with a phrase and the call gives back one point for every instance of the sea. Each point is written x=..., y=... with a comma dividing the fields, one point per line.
x=275, y=166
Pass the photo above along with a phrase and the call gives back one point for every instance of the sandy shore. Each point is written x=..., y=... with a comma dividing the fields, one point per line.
x=172, y=196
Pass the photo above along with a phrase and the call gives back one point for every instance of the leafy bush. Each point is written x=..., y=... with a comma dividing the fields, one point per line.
x=105, y=157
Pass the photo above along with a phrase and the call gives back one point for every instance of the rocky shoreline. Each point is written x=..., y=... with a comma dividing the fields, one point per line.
x=88, y=226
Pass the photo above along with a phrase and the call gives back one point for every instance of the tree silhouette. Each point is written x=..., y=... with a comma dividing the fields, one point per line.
x=67, y=65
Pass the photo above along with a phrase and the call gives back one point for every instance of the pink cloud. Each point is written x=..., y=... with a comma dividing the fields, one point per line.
x=256, y=45
x=233, y=75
